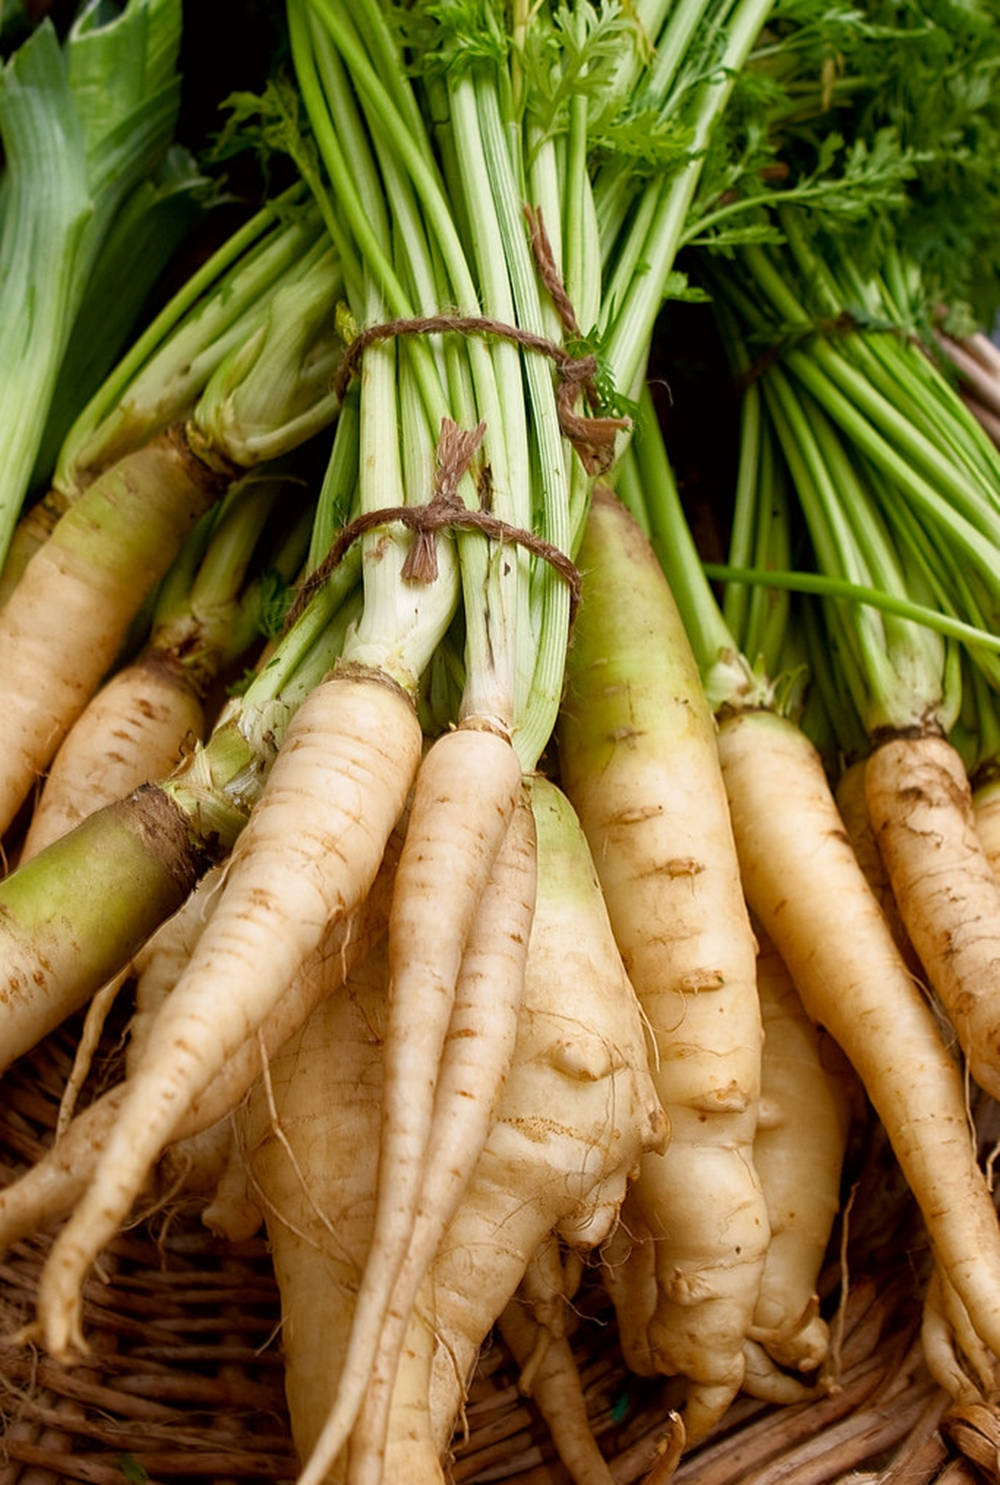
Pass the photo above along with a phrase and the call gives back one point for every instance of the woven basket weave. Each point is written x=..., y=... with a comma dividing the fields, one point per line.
x=184, y=1383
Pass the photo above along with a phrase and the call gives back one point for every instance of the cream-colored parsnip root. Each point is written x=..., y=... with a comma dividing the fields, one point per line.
x=628, y=1270
x=533, y=1324
x=132, y=731
x=577, y=1110
x=475, y=1060
x=639, y=761
x=310, y=1135
x=463, y=801
x=309, y=853
x=803, y=882
x=799, y=1151
x=852, y=803
x=949, y=896
x=64, y=623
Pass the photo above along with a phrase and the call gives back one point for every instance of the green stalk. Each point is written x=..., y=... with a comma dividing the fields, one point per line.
x=81, y=126
x=163, y=373
x=727, y=676
x=628, y=332
x=45, y=215
x=143, y=237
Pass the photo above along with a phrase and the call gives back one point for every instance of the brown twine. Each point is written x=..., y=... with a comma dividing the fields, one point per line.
x=592, y=437
x=445, y=510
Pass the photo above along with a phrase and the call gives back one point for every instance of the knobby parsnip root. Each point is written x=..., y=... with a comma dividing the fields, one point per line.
x=803, y=882
x=577, y=1110
x=799, y=1151
x=474, y=1064
x=765, y=1380
x=310, y=1134
x=948, y=894
x=64, y=623
x=131, y=733
x=534, y=1326
x=309, y=853
x=639, y=761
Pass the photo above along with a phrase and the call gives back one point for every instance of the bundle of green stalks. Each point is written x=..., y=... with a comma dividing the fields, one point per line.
x=506, y=811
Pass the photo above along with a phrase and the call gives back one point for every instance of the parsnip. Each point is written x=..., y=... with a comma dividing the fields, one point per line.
x=639, y=761
x=310, y=853
x=533, y=1326
x=310, y=1133
x=804, y=883
x=798, y=1150
x=474, y=1065
x=463, y=801
x=986, y=805
x=948, y=894
x=577, y=1110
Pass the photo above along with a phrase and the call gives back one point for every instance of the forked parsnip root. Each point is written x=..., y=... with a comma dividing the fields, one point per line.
x=577, y=1110
x=464, y=798
x=955, y=1356
x=475, y=1061
x=309, y=854
x=639, y=761
x=948, y=894
x=803, y=882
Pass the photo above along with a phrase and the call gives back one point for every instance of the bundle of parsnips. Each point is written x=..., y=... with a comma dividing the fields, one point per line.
x=535, y=1003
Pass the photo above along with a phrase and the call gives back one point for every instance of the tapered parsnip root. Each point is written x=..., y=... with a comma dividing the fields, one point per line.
x=804, y=883
x=628, y=1269
x=948, y=894
x=956, y=1357
x=798, y=1150
x=474, y=1064
x=639, y=761
x=131, y=733
x=533, y=1324
x=64, y=623
x=309, y=854
x=83, y=1053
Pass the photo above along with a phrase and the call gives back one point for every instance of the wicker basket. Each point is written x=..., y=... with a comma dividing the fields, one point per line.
x=184, y=1383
